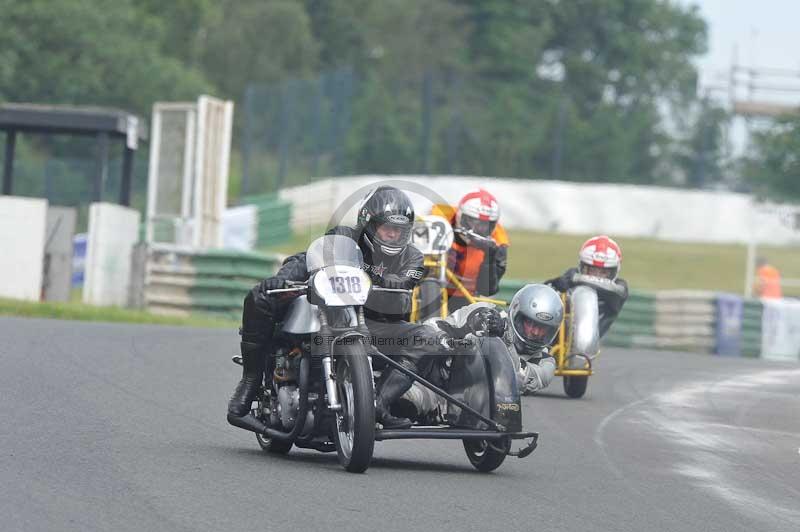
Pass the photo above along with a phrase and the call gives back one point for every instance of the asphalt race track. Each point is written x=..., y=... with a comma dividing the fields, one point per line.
x=119, y=427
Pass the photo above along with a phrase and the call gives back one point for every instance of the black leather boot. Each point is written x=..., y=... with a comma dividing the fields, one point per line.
x=393, y=385
x=252, y=377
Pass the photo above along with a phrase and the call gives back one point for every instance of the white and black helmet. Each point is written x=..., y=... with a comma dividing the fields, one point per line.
x=391, y=207
x=535, y=314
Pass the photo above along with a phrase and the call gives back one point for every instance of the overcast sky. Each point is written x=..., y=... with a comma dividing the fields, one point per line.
x=760, y=34
x=766, y=33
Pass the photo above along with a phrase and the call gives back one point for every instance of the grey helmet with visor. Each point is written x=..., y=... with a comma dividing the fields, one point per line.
x=535, y=314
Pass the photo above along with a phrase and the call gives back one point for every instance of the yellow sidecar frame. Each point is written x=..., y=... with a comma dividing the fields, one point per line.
x=561, y=348
x=445, y=275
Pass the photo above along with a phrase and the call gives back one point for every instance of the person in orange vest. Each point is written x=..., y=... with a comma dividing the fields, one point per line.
x=479, y=253
x=768, y=280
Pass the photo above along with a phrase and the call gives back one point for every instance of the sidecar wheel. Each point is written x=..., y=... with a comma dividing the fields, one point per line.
x=273, y=446
x=486, y=456
x=354, y=433
x=575, y=386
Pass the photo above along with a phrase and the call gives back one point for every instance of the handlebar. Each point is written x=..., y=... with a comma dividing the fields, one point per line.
x=381, y=289
x=295, y=286
x=284, y=290
x=472, y=234
x=600, y=283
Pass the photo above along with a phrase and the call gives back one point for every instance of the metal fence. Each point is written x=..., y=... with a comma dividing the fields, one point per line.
x=69, y=182
x=436, y=123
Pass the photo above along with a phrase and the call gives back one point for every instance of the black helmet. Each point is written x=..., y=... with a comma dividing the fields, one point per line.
x=390, y=210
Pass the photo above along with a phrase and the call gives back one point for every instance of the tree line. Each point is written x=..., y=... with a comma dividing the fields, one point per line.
x=586, y=90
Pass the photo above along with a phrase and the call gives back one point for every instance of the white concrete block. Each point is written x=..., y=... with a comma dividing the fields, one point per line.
x=22, y=239
x=113, y=231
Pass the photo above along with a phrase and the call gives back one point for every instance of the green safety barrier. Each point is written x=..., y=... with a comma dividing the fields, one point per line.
x=751, y=327
x=211, y=282
x=509, y=287
x=636, y=324
x=274, y=219
x=223, y=278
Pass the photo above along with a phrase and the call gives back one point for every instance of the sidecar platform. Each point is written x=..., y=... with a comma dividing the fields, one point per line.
x=449, y=433
x=445, y=432
x=496, y=430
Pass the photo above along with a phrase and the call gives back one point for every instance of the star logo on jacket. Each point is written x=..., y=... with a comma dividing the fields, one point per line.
x=378, y=270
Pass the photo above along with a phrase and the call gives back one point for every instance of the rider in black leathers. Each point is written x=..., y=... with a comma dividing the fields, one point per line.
x=383, y=233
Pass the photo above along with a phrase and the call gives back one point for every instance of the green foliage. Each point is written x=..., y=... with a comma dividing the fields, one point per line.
x=560, y=89
x=508, y=37
x=257, y=42
x=620, y=60
x=702, y=155
x=774, y=168
x=92, y=52
x=570, y=90
x=186, y=26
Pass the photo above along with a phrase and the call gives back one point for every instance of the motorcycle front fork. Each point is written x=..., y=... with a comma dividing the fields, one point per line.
x=327, y=360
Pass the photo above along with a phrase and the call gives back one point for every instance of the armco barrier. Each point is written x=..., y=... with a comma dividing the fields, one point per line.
x=636, y=324
x=181, y=283
x=686, y=320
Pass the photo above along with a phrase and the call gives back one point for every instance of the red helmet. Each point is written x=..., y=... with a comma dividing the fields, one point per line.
x=478, y=212
x=601, y=257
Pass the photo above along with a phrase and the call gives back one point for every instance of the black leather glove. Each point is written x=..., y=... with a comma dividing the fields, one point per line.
x=486, y=320
x=271, y=283
x=559, y=284
x=393, y=281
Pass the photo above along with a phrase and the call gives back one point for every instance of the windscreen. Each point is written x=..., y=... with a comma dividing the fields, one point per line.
x=331, y=250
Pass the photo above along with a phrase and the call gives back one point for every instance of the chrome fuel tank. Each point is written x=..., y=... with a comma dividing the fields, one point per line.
x=301, y=318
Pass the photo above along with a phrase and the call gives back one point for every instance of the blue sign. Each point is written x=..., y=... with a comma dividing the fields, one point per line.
x=78, y=259
x=730, y=309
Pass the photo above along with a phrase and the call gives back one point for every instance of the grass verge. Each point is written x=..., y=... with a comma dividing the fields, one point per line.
x=82, y=312
x=647, y=265
x=650, y=264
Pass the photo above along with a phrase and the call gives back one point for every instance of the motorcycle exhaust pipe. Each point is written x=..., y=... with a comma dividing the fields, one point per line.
x=253, y=424
x=248, y=422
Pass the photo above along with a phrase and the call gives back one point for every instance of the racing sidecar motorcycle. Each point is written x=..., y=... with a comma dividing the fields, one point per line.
x=319, y=385
x=433, y=236
x=578, y=342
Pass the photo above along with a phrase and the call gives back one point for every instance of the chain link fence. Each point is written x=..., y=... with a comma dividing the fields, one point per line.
x=436, y=123
x=68, y=181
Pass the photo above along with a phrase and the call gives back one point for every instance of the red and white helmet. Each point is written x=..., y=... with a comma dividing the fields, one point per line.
x=478, y=211
x=600, y=256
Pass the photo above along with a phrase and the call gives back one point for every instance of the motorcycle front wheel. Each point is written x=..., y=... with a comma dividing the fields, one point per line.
x=354, y=433
x=486, y=455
